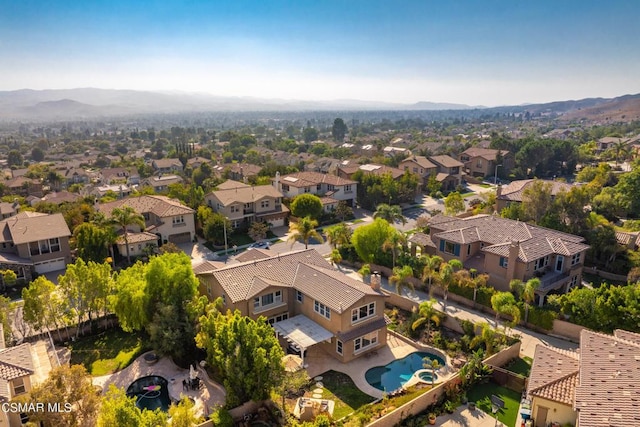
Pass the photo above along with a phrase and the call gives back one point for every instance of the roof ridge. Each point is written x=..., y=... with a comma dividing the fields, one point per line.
x=557, y=380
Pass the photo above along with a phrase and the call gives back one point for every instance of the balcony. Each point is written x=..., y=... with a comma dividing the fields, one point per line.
x=552, y=280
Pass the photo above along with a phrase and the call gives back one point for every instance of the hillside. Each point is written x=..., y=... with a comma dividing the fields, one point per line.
x=623, y=109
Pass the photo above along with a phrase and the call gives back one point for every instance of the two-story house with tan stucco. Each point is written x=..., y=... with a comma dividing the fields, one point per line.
x=244, y=204
x=309, y=303
x=506, y=250
x=421, y=166
x=330, y=188
x=167, y=219
x=481, y=162
x=32, y=241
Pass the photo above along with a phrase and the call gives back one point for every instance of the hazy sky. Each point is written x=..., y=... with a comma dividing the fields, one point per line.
x=473, y=52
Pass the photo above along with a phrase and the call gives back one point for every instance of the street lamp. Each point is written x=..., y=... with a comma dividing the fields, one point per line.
x=495, y=175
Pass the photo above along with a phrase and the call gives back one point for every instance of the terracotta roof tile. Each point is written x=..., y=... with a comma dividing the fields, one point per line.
x=31, y=226
x=549, y=366
x=305, y=179
x=561, y=390
x=160, y=206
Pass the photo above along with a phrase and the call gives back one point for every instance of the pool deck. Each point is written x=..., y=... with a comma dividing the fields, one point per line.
x=206, y=399
x=319, y=362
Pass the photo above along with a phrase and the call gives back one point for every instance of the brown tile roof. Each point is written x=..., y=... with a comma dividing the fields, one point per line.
x=446, y=161
x=16, y=362
x=331, y=287
x=60, y=197
x=160, y=206
x=305, y=179
x=229, y=184
x=247, y=168
x=138, y=237
x=422, y=240
x=485, y=153
x=515, y=190
x=167, y=163
x=28, y=227
x=245, y=194
x=372, y=169
x=551, y=365
x=561, y=390
x=608, y=393
x=253, y=254
x=420, y=160
x=207, y=266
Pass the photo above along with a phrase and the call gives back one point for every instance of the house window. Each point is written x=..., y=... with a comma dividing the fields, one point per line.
x=44, y=247
x=234, y=209
x=573, y=282
x=18, y=386
x=209, y=290
x=330, y=187
x=541, y=262
x=264, y=204
x=450, y=248
x=299, y=296
x=365, y=341
x=339, y=347
x=361, y=313
x=468, y=250
x=224, y=298
x=479, y=163
x=559, y=263
x=319, y=187
x=415, y=169
x=285, y=188
x=504, y=262
x=307, y=189
x=34, y=248
x=235, y=223
x=322, y=309
x=347, y=188
x=267, y=300
x=278, y=318
x=575, y=259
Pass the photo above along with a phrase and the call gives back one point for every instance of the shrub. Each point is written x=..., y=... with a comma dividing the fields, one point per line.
x=541, y=317
x=221, y=418
x=484, y=295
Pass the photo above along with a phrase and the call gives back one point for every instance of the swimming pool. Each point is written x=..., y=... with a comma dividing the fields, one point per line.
x=151, y=392
x=393, y=375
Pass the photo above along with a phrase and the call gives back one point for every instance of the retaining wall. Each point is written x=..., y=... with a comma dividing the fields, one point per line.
x=567, y=330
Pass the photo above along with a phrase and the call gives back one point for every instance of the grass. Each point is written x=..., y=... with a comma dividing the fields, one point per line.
x=521, y=365
x=240, y=239
x=486, y=185
x=357, y=221
x=481, y=394
x=106, y=352
x=471, y=193
x=340, y=388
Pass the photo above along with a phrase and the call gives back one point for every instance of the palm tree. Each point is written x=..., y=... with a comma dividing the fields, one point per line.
x=526, y=291
x=338, y=235
x=336, y=257
x=303, y=230
x=395, y=240
x=389, y=213
x=428, y=314
x=486, y=336
x=400, y=278
x=123, y=218
x=504, y=303
x=430, y=272
x=620, y=147
x=448, y=277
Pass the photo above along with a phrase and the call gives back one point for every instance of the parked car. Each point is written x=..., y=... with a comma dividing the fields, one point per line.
x=260, y=245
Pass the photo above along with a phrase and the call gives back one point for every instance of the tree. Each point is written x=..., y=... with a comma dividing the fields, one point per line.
x=339, y=129
x=427, y=315
x=14, y=158
x=37, y=155
x=123, y=218
x=182, y=414
x=400, y=278
x=258, y=230
x=67, y=385
x=6, y=309
x=430, y=272
x=310, y=134
x=303, y=231
x=343, y=211
x=504, y=303
x=119, y=410
x=391, y=214
x=214, y=228
x=368, y=239
x=433, y=186
x=536, y=200
x=306, y=205
x=93, y=242
x=43, y=305
x=487, y=336
x=396, y=240
x=526, y=292
x=335, y=257
x=338, y=235
x=245, y=354
x=453, y=203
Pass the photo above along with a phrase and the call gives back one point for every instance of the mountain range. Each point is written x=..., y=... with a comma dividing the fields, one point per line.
x=91, y=103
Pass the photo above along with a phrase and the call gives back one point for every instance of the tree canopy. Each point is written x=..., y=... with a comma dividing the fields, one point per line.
x=368, y=240
x=306, y=205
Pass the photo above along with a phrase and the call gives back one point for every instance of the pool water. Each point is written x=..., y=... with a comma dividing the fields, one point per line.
x=151, y=393
x=393, y=375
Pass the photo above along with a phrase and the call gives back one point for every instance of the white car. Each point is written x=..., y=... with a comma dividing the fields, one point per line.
x=260, y=245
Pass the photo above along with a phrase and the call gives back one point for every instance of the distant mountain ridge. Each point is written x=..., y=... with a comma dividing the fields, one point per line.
x=59, y=104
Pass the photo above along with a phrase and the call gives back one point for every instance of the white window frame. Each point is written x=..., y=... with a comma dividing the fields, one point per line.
x=575, y=258
x=178, y=219
x=322, y=309
x=339, y=347
x=299, y=296
x=453, y=248
x=371, y=340
x=259, y=301
x=363, y=312
x=19, y=386
x=278, y=318
x=264, y=204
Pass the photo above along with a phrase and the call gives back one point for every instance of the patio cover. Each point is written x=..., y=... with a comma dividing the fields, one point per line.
x=302, y=331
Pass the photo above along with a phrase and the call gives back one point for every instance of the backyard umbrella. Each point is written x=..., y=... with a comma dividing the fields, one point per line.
x=292, y=362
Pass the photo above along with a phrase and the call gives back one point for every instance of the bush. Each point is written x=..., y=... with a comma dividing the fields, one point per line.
x=221, y=418
x=484, y=295
x=541, y=317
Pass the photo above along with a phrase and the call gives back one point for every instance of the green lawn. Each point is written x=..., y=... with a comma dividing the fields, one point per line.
x=357, y=221
x=471, y=193
x=521, y=365
x=481, y=394
x=485, y=185
x=106, y=352
x=348, y=397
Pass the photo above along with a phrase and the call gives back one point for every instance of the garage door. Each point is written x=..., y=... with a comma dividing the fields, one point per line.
x=277, y=222
x=180, y=238
x=51, y=265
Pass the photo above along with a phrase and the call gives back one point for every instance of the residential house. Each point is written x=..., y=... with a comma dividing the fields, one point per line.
x=449, y=171
x=506, y=250
x=24, y=186
x=513, y=192
x=607, y=142
x=72, y=176
x=168, y=219
x=308, y=302
x=483, y=162
x=9, y=209
x=421, y=166
x=32, y=241
x=196, y=162
x=129, y=176
x=119, y=190
x=347, y=170
x=244, y=204
x=56, y=198
x=161, y=183
x=168, y=166
x=242, y=171
x=140, y=244
x=596, y=386
x=322, y=185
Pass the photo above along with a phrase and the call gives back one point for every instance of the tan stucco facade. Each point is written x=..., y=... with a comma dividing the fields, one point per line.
x=555, y=412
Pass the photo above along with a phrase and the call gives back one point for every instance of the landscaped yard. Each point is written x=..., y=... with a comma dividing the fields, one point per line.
x=481, y=394
x=348, y=397
x=106, y=352
x=521, y=365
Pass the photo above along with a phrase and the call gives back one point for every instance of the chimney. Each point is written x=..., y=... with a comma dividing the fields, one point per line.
x=375, y=281
x=514, y=251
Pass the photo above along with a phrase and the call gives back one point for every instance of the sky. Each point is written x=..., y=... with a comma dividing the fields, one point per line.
x=470, y=52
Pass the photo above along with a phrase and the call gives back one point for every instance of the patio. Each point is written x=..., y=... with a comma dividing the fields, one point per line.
x=206, y=398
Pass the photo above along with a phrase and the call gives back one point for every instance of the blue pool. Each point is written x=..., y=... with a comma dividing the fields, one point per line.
x=151, y=393
x=393, y=375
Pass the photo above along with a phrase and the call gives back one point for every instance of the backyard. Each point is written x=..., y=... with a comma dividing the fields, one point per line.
x=107, y=352
x=481, y=395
